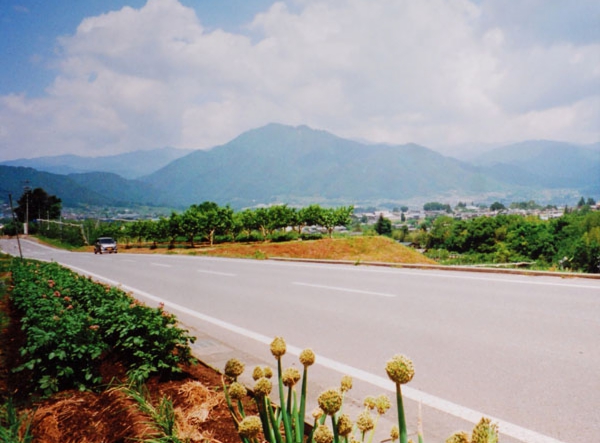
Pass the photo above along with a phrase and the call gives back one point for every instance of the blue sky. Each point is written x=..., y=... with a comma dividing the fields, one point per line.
x=101, y=77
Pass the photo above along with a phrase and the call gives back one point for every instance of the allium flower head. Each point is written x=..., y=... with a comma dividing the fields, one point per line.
x=330, y=401
x=365, y=421
x=257, y=373
x=234, y=368
x=346, y=384
x=344, y=425
x=262, y=387
x=369, y=402
x=268, y=372
x=485, y=432
x=400, y=369
x=290, y=377
x=323, y=434
x=383, y=403
x=394, y=433
x=458, y=437
x=307, y=357
x=250, y=426
x=237, y=391
x=278, y=347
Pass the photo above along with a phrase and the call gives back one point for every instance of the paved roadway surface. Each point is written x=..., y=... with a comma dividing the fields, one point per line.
x=523, y=350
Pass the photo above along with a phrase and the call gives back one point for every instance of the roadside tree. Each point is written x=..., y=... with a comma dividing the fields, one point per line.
x=332, y=217
x=308, y=216
x=383, y=226
x=38, y=204
x=214, y=220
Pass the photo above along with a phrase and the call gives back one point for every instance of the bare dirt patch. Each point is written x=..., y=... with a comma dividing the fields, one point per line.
x=354, y=249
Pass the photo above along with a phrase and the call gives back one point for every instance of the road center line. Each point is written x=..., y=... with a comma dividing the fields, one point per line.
x=225, y=274
x=522, y=434
x=336, y=288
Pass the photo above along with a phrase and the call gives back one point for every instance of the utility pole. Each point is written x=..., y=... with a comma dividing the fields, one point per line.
x=15, y=222
x=26, y=225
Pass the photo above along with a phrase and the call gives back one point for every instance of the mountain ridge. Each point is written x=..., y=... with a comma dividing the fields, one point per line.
x=131, y=165
x=299, y=165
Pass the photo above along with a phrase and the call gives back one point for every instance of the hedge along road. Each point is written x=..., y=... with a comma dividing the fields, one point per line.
x=522, y=350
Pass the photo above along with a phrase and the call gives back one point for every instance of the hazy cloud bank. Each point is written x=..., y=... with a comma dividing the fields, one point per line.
x=435, y=72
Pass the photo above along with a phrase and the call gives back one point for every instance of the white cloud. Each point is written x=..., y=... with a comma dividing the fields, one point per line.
x=435, y=72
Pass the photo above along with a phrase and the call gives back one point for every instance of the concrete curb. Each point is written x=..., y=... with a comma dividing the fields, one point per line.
x=443, y=268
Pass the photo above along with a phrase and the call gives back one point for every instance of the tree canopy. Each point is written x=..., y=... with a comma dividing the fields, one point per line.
x=38, y=204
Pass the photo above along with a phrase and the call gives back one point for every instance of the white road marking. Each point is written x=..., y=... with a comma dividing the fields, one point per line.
x=506, y=280
x=510, y=429
x=337, y=288
x=224, y=274
x=162, y=265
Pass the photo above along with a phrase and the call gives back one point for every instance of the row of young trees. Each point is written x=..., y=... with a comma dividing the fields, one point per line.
x=208, y=220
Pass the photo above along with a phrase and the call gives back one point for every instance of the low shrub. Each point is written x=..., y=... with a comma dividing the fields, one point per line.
x=284, y=236
x=223, y=239
x=312, y=236
x=254, y=237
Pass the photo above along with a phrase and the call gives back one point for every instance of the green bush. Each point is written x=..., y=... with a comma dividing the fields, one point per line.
x=279, y=236
x=223, y=239
x=71, y=323
x=312, y=236
x=254, y=237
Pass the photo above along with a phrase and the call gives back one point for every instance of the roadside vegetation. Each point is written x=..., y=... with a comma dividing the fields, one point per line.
x=69, y=324
x=86, y=362
x=570, y=242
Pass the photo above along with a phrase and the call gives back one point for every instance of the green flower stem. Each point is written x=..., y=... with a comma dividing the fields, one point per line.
x=289, y=400
x=241, y=409
x=284, y=412
x=336, y=437
x=261, y=405
x=401, y=417
x=274, y=428
x=229, y=405
x=298, y=421
x=302, y=413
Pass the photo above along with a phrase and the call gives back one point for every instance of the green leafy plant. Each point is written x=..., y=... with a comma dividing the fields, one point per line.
x=69, y=323
x=14, y=427
x=162, y=416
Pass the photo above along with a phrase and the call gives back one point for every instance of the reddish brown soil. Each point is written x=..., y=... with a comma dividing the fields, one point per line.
x=111, y=416
x=353, y=249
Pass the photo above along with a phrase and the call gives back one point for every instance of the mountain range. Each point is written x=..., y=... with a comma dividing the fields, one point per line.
x=300, y=166
x=131, y=165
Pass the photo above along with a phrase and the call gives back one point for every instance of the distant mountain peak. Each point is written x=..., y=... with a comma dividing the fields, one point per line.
x=129, y=165
x=299, y=165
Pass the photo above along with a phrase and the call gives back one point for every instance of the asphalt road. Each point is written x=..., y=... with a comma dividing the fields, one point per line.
x=522, y=350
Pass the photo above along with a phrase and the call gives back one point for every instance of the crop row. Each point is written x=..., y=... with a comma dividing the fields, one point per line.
x=72, y=324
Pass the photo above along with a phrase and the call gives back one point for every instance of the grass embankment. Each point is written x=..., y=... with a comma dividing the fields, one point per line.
x=355, y=249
